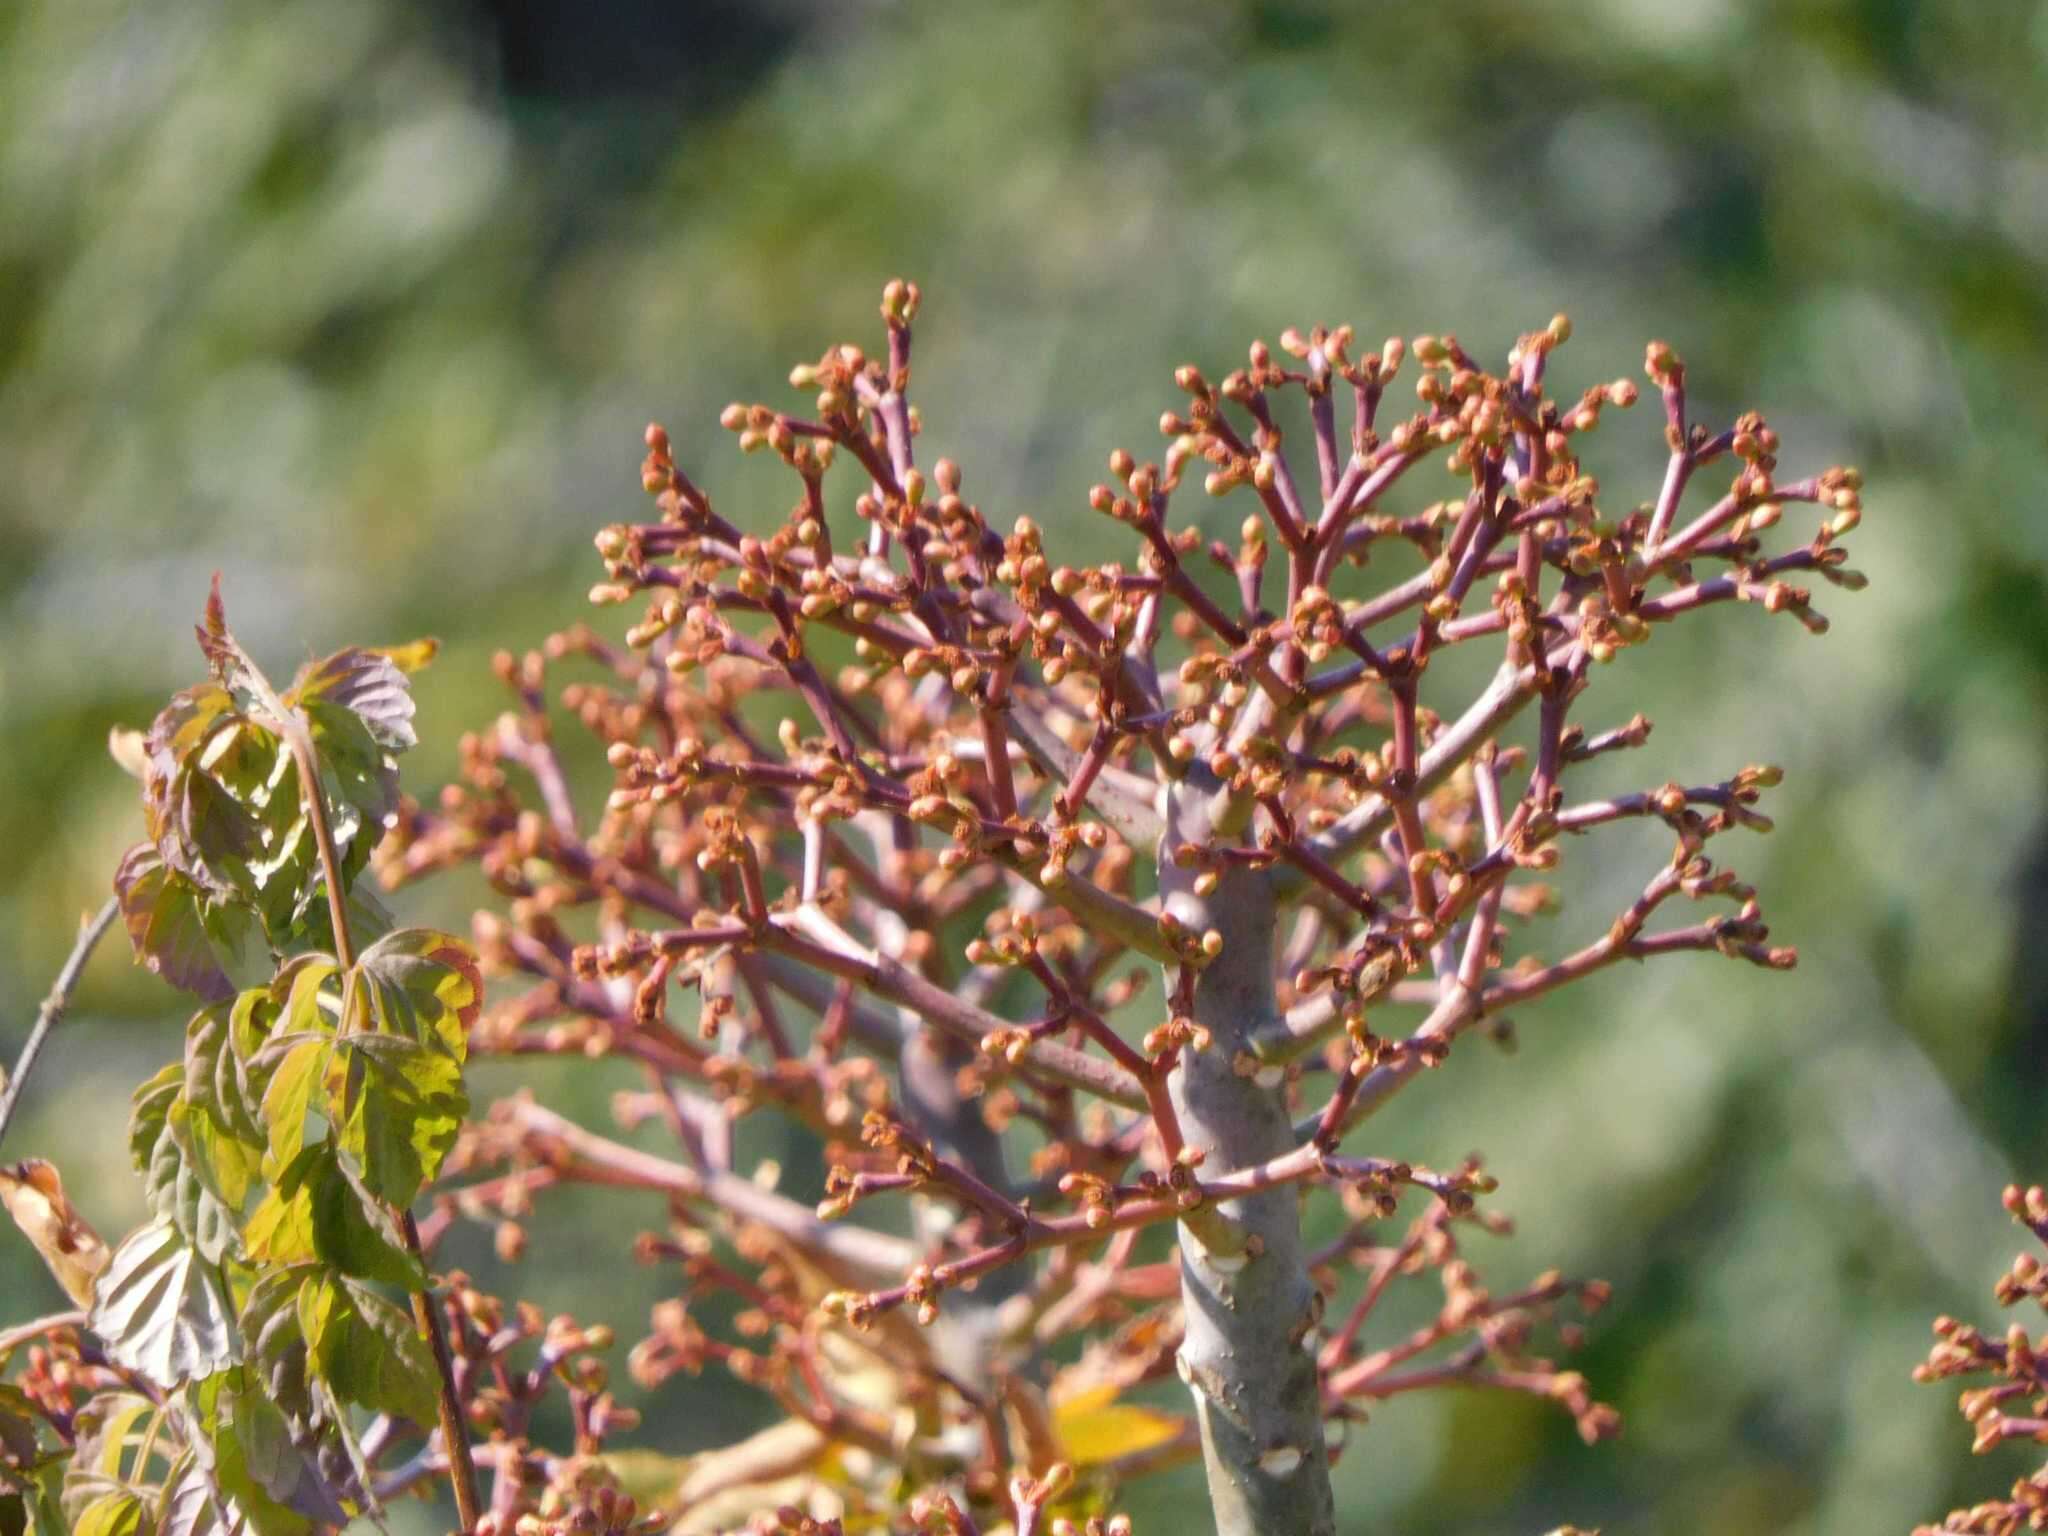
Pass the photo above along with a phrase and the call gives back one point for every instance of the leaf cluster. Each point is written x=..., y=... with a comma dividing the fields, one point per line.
x=232, y=858
x=250, y=1318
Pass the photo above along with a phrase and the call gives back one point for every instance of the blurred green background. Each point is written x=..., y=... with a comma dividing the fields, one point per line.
x=365, y=304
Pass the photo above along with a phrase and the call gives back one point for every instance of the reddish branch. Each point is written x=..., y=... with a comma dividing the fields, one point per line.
x=895, y=793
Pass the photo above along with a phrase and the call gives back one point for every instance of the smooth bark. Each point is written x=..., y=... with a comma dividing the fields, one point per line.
x=1251, y=1309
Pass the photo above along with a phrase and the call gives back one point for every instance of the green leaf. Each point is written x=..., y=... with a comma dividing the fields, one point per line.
x=225, y=803
x=280, y=1229
x=359, y=778
x=396, y=1107
x=271, y=1482
x=278, y=1356
x=208, y=771
x=289, y=1097
x=224, y=1165
x=34, y=1508
x=146, y=1120
x=113, y=1514
x=216, y=1074
x=368, y=683
x=421, y=984
x=320, y=1210
x=209, y=835
x=182, y=732
x=297, y=989
x=167, y=924
x=127, y=1453
x=368, y=918
x=184, y=726
x=162, y=1310
x=354, y=1232
x=194, y=1174
x=366, y=1348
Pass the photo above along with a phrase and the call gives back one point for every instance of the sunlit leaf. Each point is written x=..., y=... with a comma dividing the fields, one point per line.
x=280, y=1229
x=411, y=657
x=224, y=1164
x=396, y=1107
x=211, y=836
x=179, y=733
x=288, y=1099
x=1093, y=1427
x=34, y=1197
x=360, y=778
x=162, y=1310
x=129, y=1451
x=320, y=1210
x=370, y=684
x=203, y=829
x=420, y=984
x=365, y=1347
x=226, y=805
x=297, y=988
x=113, y=1514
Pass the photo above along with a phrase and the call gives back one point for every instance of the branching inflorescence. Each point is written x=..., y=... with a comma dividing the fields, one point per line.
x=921, y=812
x=2015, y=1405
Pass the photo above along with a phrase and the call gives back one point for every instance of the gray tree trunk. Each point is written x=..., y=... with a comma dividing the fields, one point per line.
x=1251, y=1308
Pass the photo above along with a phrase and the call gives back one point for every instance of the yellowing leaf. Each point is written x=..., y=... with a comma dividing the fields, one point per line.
x=1095, y=1428
x=410, y=657
x=34, y=1197
x=116, y=1514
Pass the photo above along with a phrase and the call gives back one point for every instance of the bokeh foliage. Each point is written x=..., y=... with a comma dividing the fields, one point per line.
x=366, y=304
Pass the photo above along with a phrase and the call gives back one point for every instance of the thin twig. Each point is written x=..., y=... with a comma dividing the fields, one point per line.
x=55, y=1005
x=454, y=1431
x=13, y=1338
